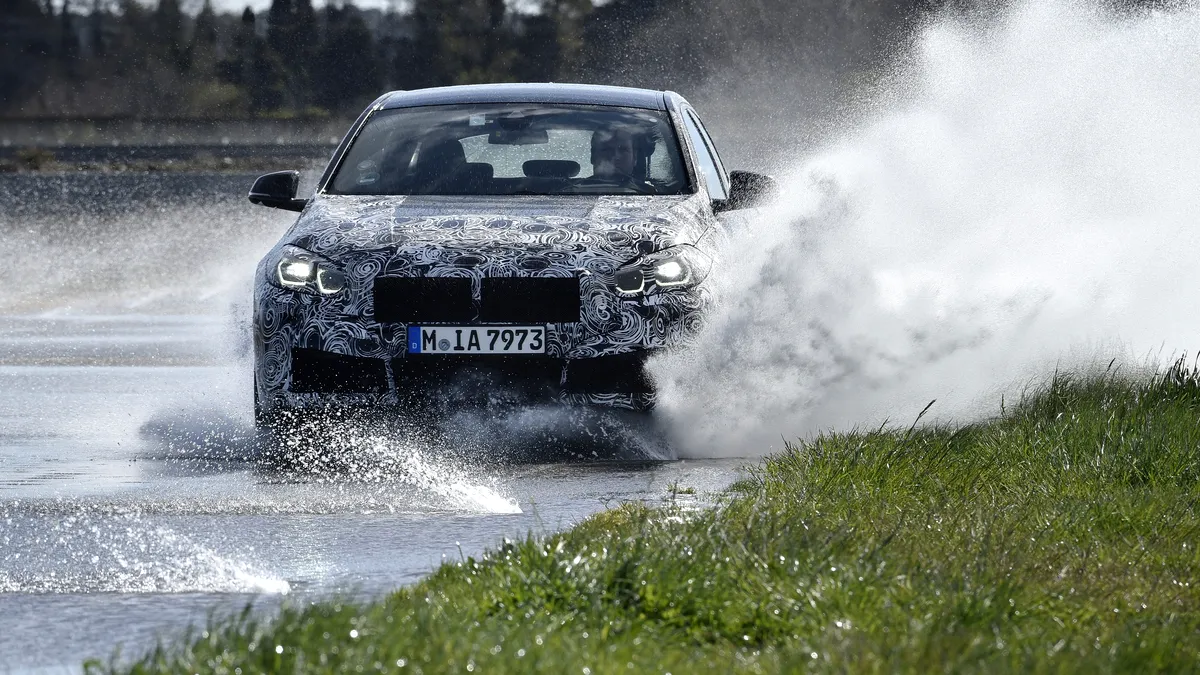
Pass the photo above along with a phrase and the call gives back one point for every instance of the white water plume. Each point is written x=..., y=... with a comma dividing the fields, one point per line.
x=406, y=458
x=119, y=554
x=148, y=244
x=1026, y=196
x=459, y=490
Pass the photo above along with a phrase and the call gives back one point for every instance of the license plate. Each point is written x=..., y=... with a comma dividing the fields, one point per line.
x=476, y=339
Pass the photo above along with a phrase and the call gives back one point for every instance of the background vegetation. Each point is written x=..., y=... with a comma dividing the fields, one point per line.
x=90, y=58
x=1060, y=536
x=773, y=78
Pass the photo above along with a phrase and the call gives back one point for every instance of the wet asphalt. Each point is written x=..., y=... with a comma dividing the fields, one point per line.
x=135, y=499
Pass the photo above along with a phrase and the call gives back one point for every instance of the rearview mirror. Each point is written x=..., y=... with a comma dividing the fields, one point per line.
x=278, y=190
x=747, y=190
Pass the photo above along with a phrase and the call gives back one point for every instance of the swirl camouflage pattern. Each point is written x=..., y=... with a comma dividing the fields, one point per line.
x=328, y=330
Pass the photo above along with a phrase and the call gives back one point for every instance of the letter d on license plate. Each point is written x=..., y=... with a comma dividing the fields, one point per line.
x=476, y=339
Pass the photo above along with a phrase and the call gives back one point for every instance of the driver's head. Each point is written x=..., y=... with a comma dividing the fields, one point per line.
x=613, y=153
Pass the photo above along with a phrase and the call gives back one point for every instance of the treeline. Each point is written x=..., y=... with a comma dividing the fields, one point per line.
x=89, y=58
x=103, y=58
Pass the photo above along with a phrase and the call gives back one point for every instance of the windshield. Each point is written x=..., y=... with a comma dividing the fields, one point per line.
x=513, y=149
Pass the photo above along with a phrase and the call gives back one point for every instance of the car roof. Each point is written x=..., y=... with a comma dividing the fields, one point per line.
x=582, y=94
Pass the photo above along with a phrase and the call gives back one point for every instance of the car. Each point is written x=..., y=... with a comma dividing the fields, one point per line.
x=509, y=242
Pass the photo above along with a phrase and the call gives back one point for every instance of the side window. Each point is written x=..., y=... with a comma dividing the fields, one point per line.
x=708, y=165
x=712, y=148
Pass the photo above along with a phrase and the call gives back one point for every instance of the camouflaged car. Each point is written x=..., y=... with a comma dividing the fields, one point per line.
x=536, y=241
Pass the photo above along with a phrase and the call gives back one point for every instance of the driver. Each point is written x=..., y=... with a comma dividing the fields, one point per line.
x=613, y=155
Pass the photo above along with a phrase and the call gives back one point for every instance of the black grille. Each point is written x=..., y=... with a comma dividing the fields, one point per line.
x=529, y=300
x=317, y=371
x=405, y=299
x=461, y=377
x=620, y=373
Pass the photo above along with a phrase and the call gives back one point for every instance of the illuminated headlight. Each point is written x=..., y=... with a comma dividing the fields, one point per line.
x=671, y=272
x=301, y=270
x=676, y=266
x=295, y=272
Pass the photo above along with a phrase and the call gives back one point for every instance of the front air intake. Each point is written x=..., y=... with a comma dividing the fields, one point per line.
x=315, y=371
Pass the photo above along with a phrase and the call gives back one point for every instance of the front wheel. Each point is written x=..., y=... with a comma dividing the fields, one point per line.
x=271, y=426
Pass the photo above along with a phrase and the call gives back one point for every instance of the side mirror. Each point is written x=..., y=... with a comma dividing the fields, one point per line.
x=747, y=190
x=278, y=190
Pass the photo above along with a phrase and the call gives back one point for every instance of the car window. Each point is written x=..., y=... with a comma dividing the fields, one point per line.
x=712, y=149
x=513, y=149
x=708, y=165
x=508, y=161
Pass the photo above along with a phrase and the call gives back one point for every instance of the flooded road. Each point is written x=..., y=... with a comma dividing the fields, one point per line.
x=133, y=498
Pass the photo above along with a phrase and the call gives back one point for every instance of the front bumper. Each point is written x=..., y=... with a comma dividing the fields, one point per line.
x=313, y=352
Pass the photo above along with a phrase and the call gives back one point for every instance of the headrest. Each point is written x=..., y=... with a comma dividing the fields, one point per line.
x=478, y=170
x=550, y=168
x=443, y=154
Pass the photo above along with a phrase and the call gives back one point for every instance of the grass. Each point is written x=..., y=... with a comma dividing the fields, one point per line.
x=675, y=489
x=1060, y=536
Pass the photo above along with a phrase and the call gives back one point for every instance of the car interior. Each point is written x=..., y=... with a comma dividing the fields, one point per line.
x=515, y=155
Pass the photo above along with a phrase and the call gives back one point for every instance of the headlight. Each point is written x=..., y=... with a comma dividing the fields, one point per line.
x=303, y=271
x=682, y=265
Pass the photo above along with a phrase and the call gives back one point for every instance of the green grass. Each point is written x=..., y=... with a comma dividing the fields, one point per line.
x=674, y=489
x=1060, y=536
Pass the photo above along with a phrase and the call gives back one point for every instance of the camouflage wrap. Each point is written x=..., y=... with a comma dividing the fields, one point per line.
x=477, y=237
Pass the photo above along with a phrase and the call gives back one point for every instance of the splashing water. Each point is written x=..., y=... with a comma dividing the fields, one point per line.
x=1026, y=196
x=405, y=458
x=331, y=465
x=412, y=466
x=145, y=243
x=82, y=552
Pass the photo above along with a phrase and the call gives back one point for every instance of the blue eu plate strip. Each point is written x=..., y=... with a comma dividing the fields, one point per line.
x=414, y=339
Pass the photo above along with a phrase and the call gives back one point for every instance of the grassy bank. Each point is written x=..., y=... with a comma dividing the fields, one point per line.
x=1061, y=536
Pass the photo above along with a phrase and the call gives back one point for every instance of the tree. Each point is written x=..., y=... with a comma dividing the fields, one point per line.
x=130, y=50
x=349, y=63
x=204, y=33
x=96, y=37
x=462, y=42
x=280, y=20
x=25, y=49
x=266, y=79
x=552, y=42
x=167, y=33
x=567, y=19
x=304, y=31
x=68, y=42
x=292, y=35
x=254, y=66
x=623, y=37
x=537, y=50
x=207, y=94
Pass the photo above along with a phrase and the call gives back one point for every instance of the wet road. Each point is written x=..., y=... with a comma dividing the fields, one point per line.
x=133, y=499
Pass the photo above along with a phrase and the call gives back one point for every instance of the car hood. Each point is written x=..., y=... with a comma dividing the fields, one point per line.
x=614, y=227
